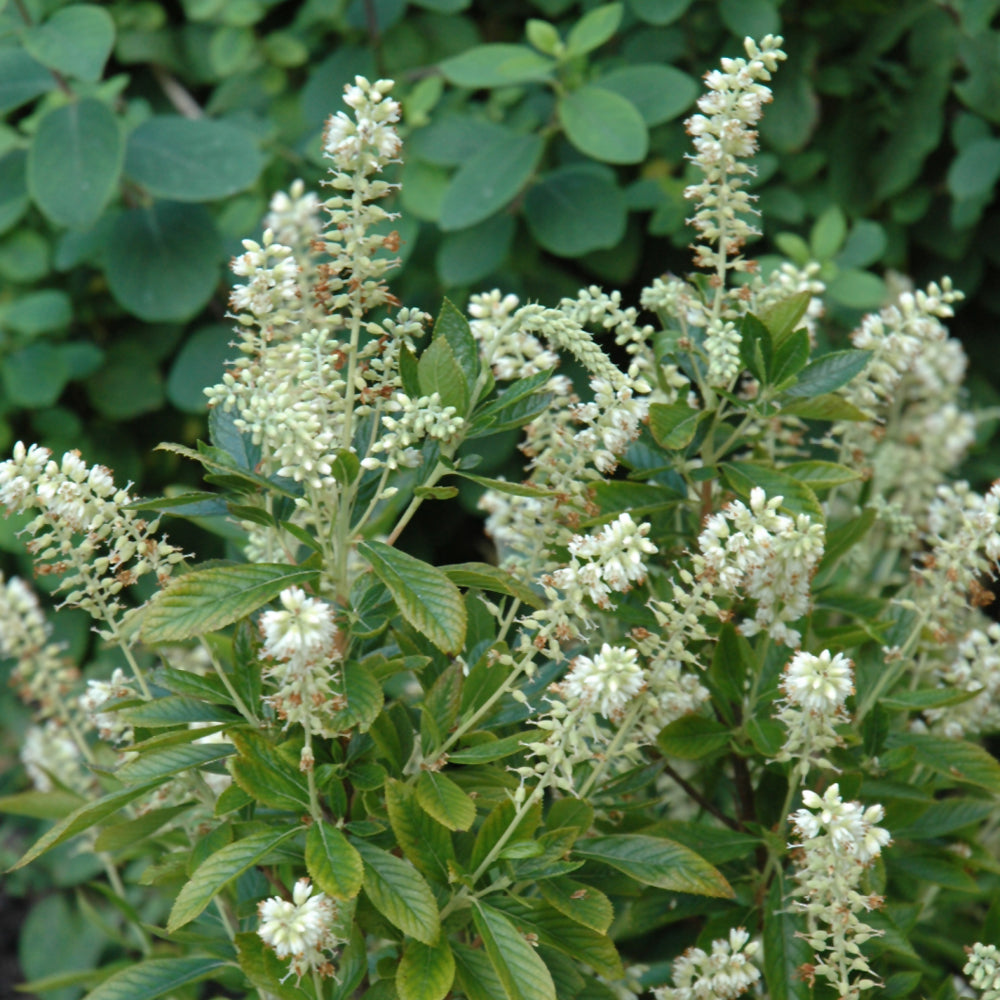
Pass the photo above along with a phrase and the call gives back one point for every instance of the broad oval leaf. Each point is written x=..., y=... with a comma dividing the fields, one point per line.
x=576, y=209
x=209, y=599
x=75, y=40
x=656, y=861
x=425, y=972
x=692, y=737
x=496, y=65
x=162, y=262
x=22, y=79
x=398, y=891
x=445, y=801
x=185, y=159
x=217, y=870
x=659, y=93
x=594, y=29
x=523, y=974
x=74, y=162
x=673, y=425
x=426, y=598
x=974, y=172
x=488, y=181
x=604, y=125
x=156, y=978
x=333, y=863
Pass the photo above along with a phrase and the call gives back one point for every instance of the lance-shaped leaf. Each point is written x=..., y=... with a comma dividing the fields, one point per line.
x=656, y=861
x=156, y=978
x=523, y=974
x=425, y=972
x=217, y=870
x=209, y=599
x=398, y=891
x=426, y=598
x=827, y=373
x=332, y=861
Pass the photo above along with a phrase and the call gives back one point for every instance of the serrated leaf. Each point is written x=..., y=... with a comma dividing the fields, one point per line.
x=426, y=598
x=218, y=870
x=332, y=861
x=209, y=599
x=267, y=774
x=82, y=819
x=171, y=711
x=756, y=348
x=945, y=817
x=267, y=972
x=496, y=823
x=445, y=801
x=503, y=486
x=798, y=498
x=475, y=975
x=821, y=475
x=423, y=840
x=826, y=374
x=156, y=978
x=172, y=761
x=790, y=357
x=398, y=891
x=578, y=901
x=825, y=407
x=783, y=317
x=673, y=425
x=483, y=576
x=113, y=838
x=692, y=737
x=523, y=974
x=440, y=372
x=364, y=699
x=452, y=326
x=655, y=861
x=957, y=759
x=513, y=407
x=425, y=972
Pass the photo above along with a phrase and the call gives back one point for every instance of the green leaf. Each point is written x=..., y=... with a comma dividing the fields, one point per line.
x=218, y=870
x=483, y=576
x=827, y=373
x=123, y=835
x=490, y=750
x=209, y=599
x=828, y=233
x=659, y=12
x=266, y=972
x=333, y=863
x=76, y=41
x=452, y=326
x=269, y=775
x=40, y=805
x=199, y=363
x=426, y=598
x=523, y=974
x=83, y=818
x=156, y=977
x=756, y=348
x=425, y=972
x=821, y=475
x=172, y=761
x=783, y=317
x=74, y=162
x=576, y=209
x=753, y=18
x=496, y=823
x=593, y=29
x=798, y=498
x=470, y=255
x=186, y=159
x=659, y=93
x=976, y=169
x=543, y=35
x=440, y=372
x=475, y=975
x=785, y=952
x=489, y=180
x=162, y=262
x=22, y=79
x=38, y=312
x=857, y=290
x=604, y=125
x=445, y=801
x=673, y=425
x=578, y=901
x=398, y=891
x=513, y=407
x=363, y=695
x=866, y=244
x=172, y=711
x=423, y=840
x=923, y=698
x=790, y=358
x=496, y=65
x=826, y=407
x=692, y=737
x=656, y=861
x=945, y=817
x=843, y=538
x=956, y=759
x=13, y=187
x=35, y=375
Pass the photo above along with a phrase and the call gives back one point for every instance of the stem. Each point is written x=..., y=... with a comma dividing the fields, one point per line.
x=892, y=673
x=700, y=799
x=624, y=730
x=237, y=700
x=772, y=856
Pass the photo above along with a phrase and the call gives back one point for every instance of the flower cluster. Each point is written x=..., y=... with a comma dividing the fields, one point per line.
x=417, y=419
x=724, y=135
x=983, y=969
x=512, y=352
x=300, y=643
x=606, y=682
x=816, y=689
x=724, y=974
x=300, y=929
x=767, y=556
x=83, y=528
x=838, y=841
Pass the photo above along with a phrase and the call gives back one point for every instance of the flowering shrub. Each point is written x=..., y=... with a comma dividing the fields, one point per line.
x=722, y=682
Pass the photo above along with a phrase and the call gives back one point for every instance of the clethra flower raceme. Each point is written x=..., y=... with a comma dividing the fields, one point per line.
x=605, y=683
x=724, y=974
x=300, y=929
x=983, y=969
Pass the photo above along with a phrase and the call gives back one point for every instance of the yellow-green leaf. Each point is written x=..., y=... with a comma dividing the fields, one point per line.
x=445, y=801
x=332, y=861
